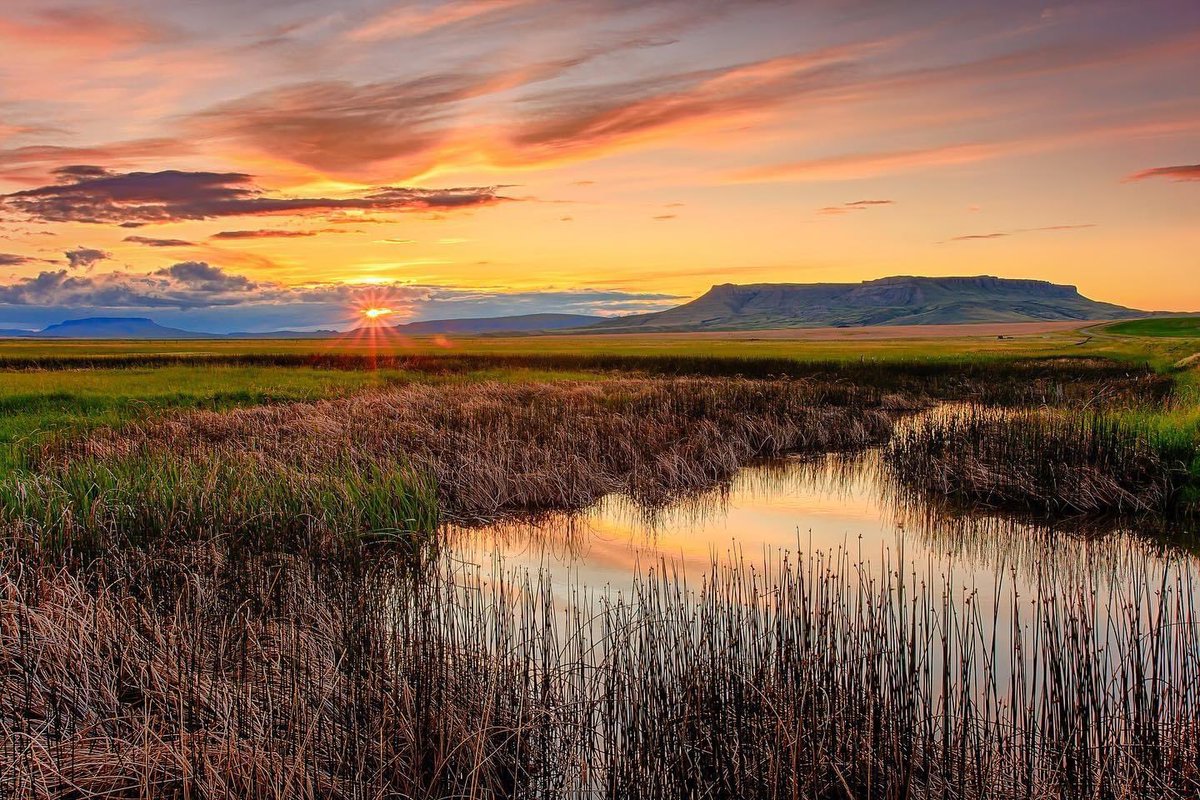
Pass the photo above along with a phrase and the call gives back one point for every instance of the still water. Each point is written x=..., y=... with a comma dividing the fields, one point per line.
x=983, y=597
x=842, y=509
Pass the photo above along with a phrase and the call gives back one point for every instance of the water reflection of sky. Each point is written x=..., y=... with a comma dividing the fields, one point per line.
x=994, y=580
x=806, y=507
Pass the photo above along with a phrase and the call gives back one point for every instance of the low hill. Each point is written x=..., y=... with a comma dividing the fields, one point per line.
x=888, y=301
x=521, y=323
x=116, y=328
x=143, y=328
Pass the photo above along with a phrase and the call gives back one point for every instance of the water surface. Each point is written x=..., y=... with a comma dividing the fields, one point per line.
x=838, y=507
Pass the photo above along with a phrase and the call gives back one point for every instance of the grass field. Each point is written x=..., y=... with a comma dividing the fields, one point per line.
x=1175, y=327
x=1115, y=340
x=160, y=376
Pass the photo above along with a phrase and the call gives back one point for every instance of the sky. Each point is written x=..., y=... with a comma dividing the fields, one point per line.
x=250, y=165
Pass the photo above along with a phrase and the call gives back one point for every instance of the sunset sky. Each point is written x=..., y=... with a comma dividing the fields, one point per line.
x=258, y=164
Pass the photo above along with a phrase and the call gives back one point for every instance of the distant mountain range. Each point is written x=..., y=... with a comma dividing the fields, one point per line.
x=522, y=323
x=888, y=301
x=116, y=328
x=725, y=307
x=143, y=328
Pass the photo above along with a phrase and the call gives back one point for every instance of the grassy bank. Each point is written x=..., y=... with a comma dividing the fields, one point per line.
x=394, y=459
x=36, y=402
x=1045, y=461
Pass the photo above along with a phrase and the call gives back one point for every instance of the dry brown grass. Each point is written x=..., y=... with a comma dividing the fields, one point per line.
x=1037, y=460
x=340, y=467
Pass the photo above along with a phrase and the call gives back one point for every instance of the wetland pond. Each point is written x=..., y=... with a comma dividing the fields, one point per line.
x=1003, y=591
x=842, y=509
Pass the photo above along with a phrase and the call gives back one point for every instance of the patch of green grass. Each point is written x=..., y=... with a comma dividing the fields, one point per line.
x=96, y=506
x=1175, y=327
x=36, y=403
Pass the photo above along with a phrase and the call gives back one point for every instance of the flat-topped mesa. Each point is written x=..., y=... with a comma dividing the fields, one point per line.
x=899, y=300
x=116, y=328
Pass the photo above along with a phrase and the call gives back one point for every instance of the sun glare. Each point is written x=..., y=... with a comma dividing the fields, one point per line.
x=376, y=313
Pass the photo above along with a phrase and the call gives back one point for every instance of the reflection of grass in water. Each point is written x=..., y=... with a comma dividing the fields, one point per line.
x=211, y=671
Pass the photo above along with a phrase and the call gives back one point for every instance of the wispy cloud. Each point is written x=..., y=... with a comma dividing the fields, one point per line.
x=868, y=165
x=272, y=233
x=150, y=241
x=406, y=20
x=1017, y=232
x=856, y=205
x=98, y=31
x=1182, y=172
x=862, y=165
x=586, y=122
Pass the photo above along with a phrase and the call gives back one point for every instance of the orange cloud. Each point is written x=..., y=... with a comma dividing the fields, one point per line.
x=869, y=165
x=404, y=20
x=99, y=31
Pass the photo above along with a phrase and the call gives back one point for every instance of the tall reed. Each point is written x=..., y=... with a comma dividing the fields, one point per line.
x=1039, y=460
x=197, y=671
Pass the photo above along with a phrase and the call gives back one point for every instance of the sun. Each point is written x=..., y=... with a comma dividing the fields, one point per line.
x=376, y=313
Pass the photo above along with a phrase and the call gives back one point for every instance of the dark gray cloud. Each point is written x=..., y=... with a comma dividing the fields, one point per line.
x=150, y=241
x=200, y=276
x=14, y=260
x=61, y=289
x=78, y=172
x=85, y=257
x=137, y=198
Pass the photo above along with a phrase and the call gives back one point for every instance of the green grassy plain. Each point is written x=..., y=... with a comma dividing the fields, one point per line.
x=35, y=401
x=1110, y=340
x=1175, y=327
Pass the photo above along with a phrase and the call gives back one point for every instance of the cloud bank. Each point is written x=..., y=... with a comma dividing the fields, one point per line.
x=133, y=199
x=215, y=299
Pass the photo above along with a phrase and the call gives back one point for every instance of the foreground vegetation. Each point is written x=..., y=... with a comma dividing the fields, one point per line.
x=210, y=671
x=394, y=460
x=221, y=576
